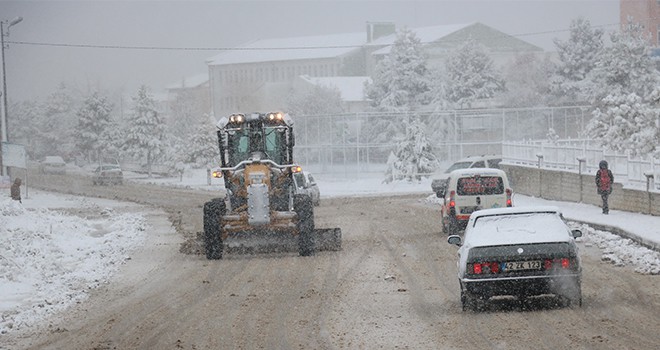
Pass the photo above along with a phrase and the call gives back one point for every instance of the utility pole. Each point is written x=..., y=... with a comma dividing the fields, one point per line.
x=3, y=122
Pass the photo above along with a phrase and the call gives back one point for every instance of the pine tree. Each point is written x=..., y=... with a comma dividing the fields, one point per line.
x=319, y=100
x=401, y=79
x=58, y=123
x=145, y=134
x=401, y=84
x=25, y=127
x=527, y=81
x=471, y=75
x=93, y=122
x=625, y=67
x=413, y=155
x=184, y=111
x=577, y=58
x=203, y=147
x=624, y=93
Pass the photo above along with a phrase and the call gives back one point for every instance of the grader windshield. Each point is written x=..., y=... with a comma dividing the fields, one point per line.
x=262, y=136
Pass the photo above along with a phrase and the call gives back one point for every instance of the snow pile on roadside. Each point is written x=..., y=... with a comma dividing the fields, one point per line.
x=49, y=260
x=621, y=251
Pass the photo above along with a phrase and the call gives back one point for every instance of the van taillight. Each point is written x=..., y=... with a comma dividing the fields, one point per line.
x=509, y=203
x=452, y=201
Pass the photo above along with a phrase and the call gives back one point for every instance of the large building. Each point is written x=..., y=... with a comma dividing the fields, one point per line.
x=258, y=76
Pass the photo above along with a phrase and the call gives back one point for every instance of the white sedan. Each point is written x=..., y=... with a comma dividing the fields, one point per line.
x=518, y=252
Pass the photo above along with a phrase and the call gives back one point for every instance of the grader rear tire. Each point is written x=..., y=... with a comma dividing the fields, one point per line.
x=213, y=212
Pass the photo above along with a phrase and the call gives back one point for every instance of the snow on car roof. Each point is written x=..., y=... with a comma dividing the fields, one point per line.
x=503, y=226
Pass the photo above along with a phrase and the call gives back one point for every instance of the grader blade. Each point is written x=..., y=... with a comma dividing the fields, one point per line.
x=324, y=239
x=327, y=239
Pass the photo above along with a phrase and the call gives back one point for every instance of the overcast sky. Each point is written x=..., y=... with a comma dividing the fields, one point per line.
x=34, y=71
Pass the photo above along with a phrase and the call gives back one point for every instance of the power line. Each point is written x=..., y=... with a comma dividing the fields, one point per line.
x=170, y=48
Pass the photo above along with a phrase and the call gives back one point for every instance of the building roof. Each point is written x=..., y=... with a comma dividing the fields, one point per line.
x=336, y=45
x=425, y=34
x=287, y=49
x=190, y=82
x=434, y=34
x=350, y=88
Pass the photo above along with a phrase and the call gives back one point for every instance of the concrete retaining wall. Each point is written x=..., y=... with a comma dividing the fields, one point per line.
x=572, y=187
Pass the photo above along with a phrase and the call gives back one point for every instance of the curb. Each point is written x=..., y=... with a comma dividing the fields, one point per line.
x=623, y=233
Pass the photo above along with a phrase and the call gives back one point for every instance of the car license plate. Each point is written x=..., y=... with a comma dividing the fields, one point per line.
x=522, y=265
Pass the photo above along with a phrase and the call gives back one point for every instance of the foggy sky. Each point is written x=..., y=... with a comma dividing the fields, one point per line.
x=35, y=71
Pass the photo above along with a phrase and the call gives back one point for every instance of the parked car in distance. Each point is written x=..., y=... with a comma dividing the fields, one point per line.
x=519, y=252
x=438, y=180
x=108, y=174
x=52, y=165
x=469, y=190
x=304, y=182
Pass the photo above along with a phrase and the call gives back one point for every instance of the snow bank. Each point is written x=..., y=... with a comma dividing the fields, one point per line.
x=50, y=260
x=621, y=251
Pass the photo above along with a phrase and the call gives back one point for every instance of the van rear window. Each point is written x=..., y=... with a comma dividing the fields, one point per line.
x=480, y=185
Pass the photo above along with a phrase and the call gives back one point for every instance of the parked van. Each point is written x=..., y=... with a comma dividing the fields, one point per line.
x=439, y=180
x=469, y=190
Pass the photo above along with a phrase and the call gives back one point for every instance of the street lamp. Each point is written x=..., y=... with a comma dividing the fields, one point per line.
x=3, y=123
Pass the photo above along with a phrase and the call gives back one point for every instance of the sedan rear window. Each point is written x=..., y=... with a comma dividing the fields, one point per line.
x=560, y=249
x=479, y=185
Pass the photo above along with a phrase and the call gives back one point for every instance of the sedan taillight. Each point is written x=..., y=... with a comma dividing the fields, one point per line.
x=484, y=268
x=564, y=263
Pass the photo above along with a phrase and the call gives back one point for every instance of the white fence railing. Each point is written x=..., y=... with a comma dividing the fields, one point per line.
x=582, y=156
x=358, y=144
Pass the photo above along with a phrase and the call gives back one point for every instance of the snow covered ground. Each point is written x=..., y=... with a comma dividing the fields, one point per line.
x=54, y=250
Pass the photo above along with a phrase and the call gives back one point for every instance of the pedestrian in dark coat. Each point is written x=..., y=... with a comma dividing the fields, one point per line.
x=15, y=190
x=604, y=181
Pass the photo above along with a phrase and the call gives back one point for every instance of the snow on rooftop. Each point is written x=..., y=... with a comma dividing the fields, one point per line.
x=190, y=82
x=287, y=49
x=350, y=88
x=425, y=34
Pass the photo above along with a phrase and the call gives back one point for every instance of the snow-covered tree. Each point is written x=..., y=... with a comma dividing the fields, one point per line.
x=413, y=155
x=401, y=78
x=625, y=67
x=577, y=58
x=552, y=136
x=401, y=83
x=614, y=121
x=24, y=127
x=93, y=121
x=471, y=75
x=184, y=111
x=57, y=124
x=145, y=131
x=625, y=94
x=527, y=81
x=648, y=136
x=318, y=100
x=203, y=149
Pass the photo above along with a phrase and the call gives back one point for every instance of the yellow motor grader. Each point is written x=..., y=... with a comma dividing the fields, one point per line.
x=262, y=211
